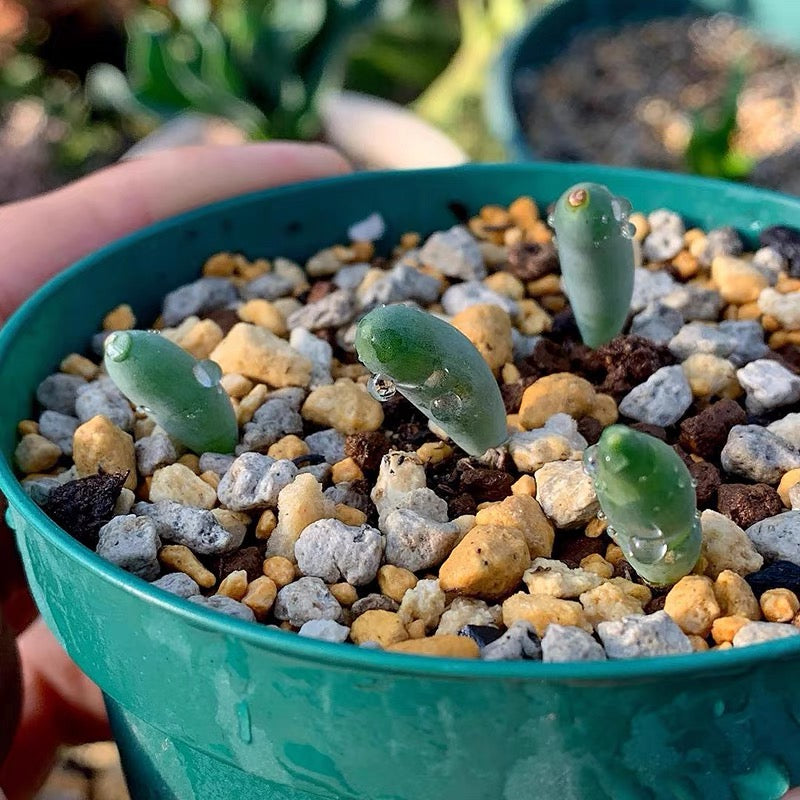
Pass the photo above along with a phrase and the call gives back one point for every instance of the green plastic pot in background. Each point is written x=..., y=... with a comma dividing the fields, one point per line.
x=204, y=706
x=549, y=33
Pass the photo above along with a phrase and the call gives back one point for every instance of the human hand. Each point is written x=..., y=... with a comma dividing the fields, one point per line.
x=40, y=237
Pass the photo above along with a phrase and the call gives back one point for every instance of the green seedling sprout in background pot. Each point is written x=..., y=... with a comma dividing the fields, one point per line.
x=436, y=368
x=182, y=394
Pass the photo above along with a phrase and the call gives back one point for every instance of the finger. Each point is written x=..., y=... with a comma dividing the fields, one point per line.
x=43, y=235
x=60, y=706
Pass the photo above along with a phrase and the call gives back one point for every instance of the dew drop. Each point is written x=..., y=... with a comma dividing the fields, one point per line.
x=621, y=208
x=144, y=410
x=446, y=406
x=381, y=387
x=118, y=346
x=207, y=373
x=693, y=483
x=627, y=229
x=590, y=461
x=601, y=515
x=643, y=479
x=551, y=219
x=649, y=549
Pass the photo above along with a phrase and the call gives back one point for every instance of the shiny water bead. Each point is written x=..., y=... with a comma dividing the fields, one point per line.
x=594, y=235
x=182, y=394
x=646, y=493
x=438, y=369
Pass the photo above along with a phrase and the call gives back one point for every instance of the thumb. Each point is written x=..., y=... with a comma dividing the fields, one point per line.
x=43, y=235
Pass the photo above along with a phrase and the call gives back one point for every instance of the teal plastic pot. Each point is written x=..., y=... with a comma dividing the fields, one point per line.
x=204, y=706
x=549, y=33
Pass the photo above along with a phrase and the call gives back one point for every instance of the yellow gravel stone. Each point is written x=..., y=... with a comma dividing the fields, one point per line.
x=260, y=596
x=541, y=609
x=604, y=409
x=525, y=514
x=264, y=314
x=735, y=597
x=280, y=570
x=349, y=515
x=608, y=602
x=120, y=318
x=725, y=628
x=448, y=646
x=99, y=444
x=779, y=605
x=725, y=546
x=384, y=627
x=488, y=327
x=699, y=644
x=737, y=281
x=546, y=285
x=788, y=480
x=191, y=461
x=236, y=522
x=181, y=558
x=266, y=524
x=532, y=318
x=523, y=211
x=289, y=447
x=344, y=592
x=345, y=405
x=249, y=404
x=711, y=376
x=525, y=486
x=594, y=562
x=179, y=484
x=394, y=582
x=201, y=339
x=506, y=284
x=234, y=585
x=211, y=478
x=236, y=385
x=35, y=453
x=562, y=392
x=692, y=605
x=26, y=426
x=487, y=563
x=346, y=471
x=416, y=629
x=596, y=527
x=434, y=452
x=75, y=364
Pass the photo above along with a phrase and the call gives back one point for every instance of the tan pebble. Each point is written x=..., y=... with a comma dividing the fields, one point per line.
x=553, y=303
x=604, y=409
x=410, y=240
x=554, y=578
x=730, y=313
x=287, y=626
x=639, y=221
x=638, y=591
x=686, y=265
x=264, y=314
x=211, y=478
x=394, y=582
x=546, y=285
x=416, y=629
x=325, y=262
x=487, y=563
x=614, y=554
x=496, y=216
x=431, y=453
x=711, y=376
x=75, y=364
x=608, y=602
x=266, y=524
x=726, y=546
x=692, y=605
x=695, y=235
x=770, y=323
x=234, y=584
x=190, y=461
x=259, y=354
x=202, y=338
x=260, y=596
x=220, y=265
x=346, y=471
x=532, y=318
x=35, y=453
x=538, y=232
x=346, y=406
x=488, y=327
x=280, y=570
x=523, y=211
x=737, y=281
x=786, y=284
x=250, y=270
x=287, y=305
x=506, y=284
x=789, y=479
x=143, y=489
x=100, y=445
x=596, y=527
x=288, y=447
x=481, y=230
x=514, y=423
x=181, y=558
x=594, y=562
x=120, y=318
x=180, y=485
x=143, y=427
x=384, y=627
x=525, y=514
x=778, y=339
x=699, y=644
x=749, y=311
x=349, y=515
x=725, y=628
x=352, y=371
x=779, y=605
x=446, y=646
x=236, y=522
x=524, y=486
x=466, y=522
x=250, y=403
x=362, y=251
x=26, y=426
x=723, y=646
x=494, y=255
x=561, y=392
x=509, y=373
x=540, y=610
x=345, y=593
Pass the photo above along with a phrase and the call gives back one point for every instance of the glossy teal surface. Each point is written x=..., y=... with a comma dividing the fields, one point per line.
x=209, y=707
x=549, y=32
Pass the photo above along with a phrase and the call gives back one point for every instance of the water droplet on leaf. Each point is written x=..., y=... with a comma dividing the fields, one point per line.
x=207, y=373
x=118, y=346
x=381, y=387
x=447, y=406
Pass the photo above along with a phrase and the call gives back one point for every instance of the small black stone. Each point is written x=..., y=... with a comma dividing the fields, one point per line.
x=778, y=575
x=481, y=634
x=308, y=460
x=786, y=241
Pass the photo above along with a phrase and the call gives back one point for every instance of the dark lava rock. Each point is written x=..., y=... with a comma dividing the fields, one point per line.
x=590, y=429
x=250, y=559
x=529, y=261
x=548, y=357
x=778, y=575
x=485, y=484
x=512, y=395
x=786, y=240
x=565, y=327
x=707, y=432
x=650, y=430
x=81, y=507
x=575, y=547
x=308, y=460
x=367, y=449
x=226, y=318
x=707, y=482
x=747, y=504
x=320, y=290
x=481, y=634
x=656, y=604
x=461, y=504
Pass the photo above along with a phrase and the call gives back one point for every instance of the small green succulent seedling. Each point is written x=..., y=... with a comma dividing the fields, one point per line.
x=182, y=394
x=594, y=236
x=647, y=495
x=436, y=368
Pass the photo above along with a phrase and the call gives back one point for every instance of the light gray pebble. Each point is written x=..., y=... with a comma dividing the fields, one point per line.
x=753, y=452
x=269, y=286
x=350, y=276
x=337, y=308
x=346, y=494
x=38, y=489
x=153, y=452
x=273, y=420
x=785, y=307
x=661, y=400
x=523, y=346
x=566, y=493
x=254, y=481
x=787, y=428
x=640, y=636
x=98, y=342
x=664, y=219
x=59, y=391
x=196, y=528
x=568, y=643
x=328, y=443
x=373, y=602
x=415, y=542
x=333, y=551
x=724, y=241
x=662, y=244
x=205, y=294
x=777, y=538
x=649, y=286
x=346, y=337
x=454, y=253
x=102, y=397
x=748, y=337
x=423, y=501
x=293, y=396
x=398, y=285
x=694, y=303
x=700, y=337
x=178, y=583
x=768, y=385
x=306, y=599
x=465, y=295
x=757, y=632
x=59, y=429
x=219, y=463
x=657, y=322
x=124, y=503
x=132, y=543
x=225, y=605
x=520, y=641
x=318, y=351
x=770, y=263
x=322, y=472
x=326, y=630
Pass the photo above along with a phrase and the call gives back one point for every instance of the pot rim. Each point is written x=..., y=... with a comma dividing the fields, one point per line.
x=325, y=653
